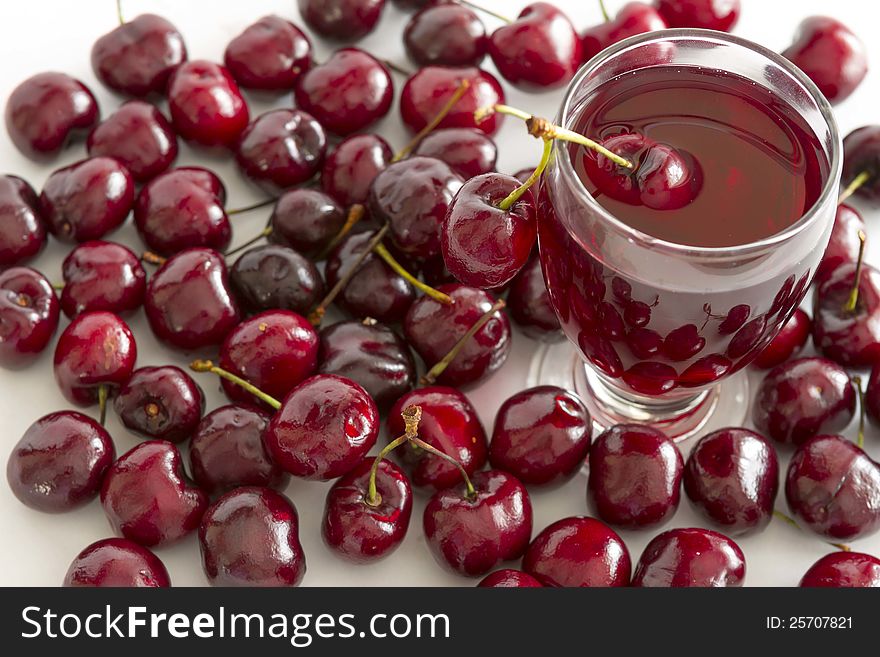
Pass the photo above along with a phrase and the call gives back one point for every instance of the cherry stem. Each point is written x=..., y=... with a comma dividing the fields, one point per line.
x=103, y=392
x=248, y=208
x=58, y=286
x=153, y=258
x=860, y=439
x=517, y=193
x=853, y=298
x=431, y=375
x=208, y=366
x=397, y=68
x=382, y=251
x=318, y=313
x=355, y=214
x=843, y=547
x=488, y=12
x=605, y=14
x=854, y=186
x=460, y=91
x=471, y=491
x=411, y=415
x=263, y=233
x=119, y=12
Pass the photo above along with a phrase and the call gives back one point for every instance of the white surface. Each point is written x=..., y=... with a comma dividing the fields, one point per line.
x=39, y=35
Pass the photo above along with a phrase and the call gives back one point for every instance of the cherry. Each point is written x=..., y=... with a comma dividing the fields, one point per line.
x=102, y=276
x=430, y=88
x=705, y=14
x=188, y=302
x=347, y=93
x=137, y=135
x=146, y=497
x=646, y=378
x=802, y=398
x=844, y=570
x=747, y=338
x=47, y=111
x=407, y=5
x=281, y=148
x=206, y=105
x=344, y=20
x=117, y=562
x=843, y=247
x=445, y=34
x=28, y=316
x=272, y=276
x=86, y=200
x=643, y=342
x=788, y=342
x=632, y=19
x=831, y=56
x=160, y=402
x=59, y=462
x=861, y=163
x=250, y=537
x=306, y=220
x=350, y=168
x=735, y=319
x=22, y=231
x=690, y=558
x=530, y=306
x=541, y=436
x=226, y=451
x=683, y=343
x=508, y=578
x=578, y=551
x=468, y=152
x=872, y=396
x=704, y=371
x=269, y=55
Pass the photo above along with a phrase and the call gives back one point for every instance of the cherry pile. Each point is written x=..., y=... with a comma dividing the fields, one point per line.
x=423, y=249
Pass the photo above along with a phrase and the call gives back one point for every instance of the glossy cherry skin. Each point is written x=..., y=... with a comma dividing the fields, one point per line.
x=450, y=424
x=706, y=14
x=96, y=349
x=29, y=313
x=188, y=302
x=86, y=200
x=428, y=90
x=22, y=231
x=138, y=56
x=273, y=276
x=732, y=476
x=833, y=487
x=851, y=338
x=250, y=537
x=324, y=427
x=343, y=20
x=274, y=351
x=46, y=111
x=361, y=532
x=651, y=465
x=831, y=55
x=529, y=304
x=269, y=55
x=844, y=570
x=60, y=461
x=508, y=578
x=306, y=220
x=541, y=436
x=539, y=50
x=843, y=247
x=160, y=402
x=147, y=498
x=578, y=551
x=433, y=328
x=102, y=276
x=350, y=168
x=861, y=152
x=631, y=19
x=468, y=152
x=445, y=34
x=690, y=558
x=281, y=148
x=117, y=563
x=872, y=396
x=139, y=136
x=788, y=342
x=347, y=93
x=227, y=451
x=802, y=398
x=206, y=105
x=370, y=354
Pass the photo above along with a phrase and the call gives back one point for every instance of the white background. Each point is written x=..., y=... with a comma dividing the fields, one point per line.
x=39, y=35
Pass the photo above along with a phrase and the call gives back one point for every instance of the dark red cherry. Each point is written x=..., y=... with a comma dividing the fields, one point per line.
x=29, y=313
x=872, y=396
x=60, y=461
x=831, y=55
x=273, y=276
x=188, y=302
x=704, y=371
x=843, y=248
x=430, y=89
x=683, y=343
x=647, y=377
x=637, y=313
x=226, y=451
x=690, y=558
x=508, y=578
x=747, y=338
x=632, y=19
x=735, y=318
x=468, y=151
x=343, y=20
x=407, y=5
x=530, y=306
x=250, y=537
x=861, y=158
x=643, y=342
x=350, y=168
x=849, y=336
x=147, y=498
x=347, y=93
x=269, y=55
x=102, y=276
x=445, y=34
x=706, y=14
x=541, y=436
x=788, y=342
x=46, y=111
x=206, y=105
x=139, y=136
x=844, y=570
x=160, y=402
x=96, y=349
x=118, y=563
x=281, y=148
x=87, y=200
x=306, y=220
x=578, y=551
x=22, y=231
x=362, y=532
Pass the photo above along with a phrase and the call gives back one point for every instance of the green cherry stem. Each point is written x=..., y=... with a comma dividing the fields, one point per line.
x=263, y=233
x=411, y=415
x=854, y=186
x=488, y=12
x=355, y=214
x=471, y=491
x=382, y=251
x=103, y=393
x=860, y=438
x=605, y=16
x=119, y=12
x=208, y=366
x=843, y=547
x=58, y=287
x=254, y=206
x=853, y=299
x=460, y=91
x=397, y=68
x=153, y=258
x=515, y=195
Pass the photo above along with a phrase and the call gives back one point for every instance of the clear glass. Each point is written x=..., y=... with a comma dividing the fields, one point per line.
x=593, y=262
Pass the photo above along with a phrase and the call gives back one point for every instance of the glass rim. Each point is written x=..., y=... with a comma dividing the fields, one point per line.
x=829, y=187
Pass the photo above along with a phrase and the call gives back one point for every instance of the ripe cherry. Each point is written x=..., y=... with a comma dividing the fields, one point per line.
x=306, y=220
x=843, y=248
x=275, y=277
x=445, y=34
x=468, y=152
x=22, y=231
x=344, y=20
x=632, y=19
x=508, y=578
x=29, y=313
x=530, y=306
x=844, y=570
x=705, y=14
x=690, y=558
x=350, y=168
x=117, y=562
x=206, y=105
x=788, y=342
x=861, y=164
x=269, y=55
x=872, y=396
x=160, y=402
x=102, y=276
